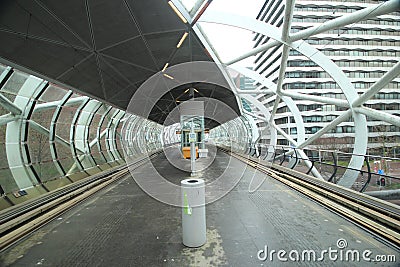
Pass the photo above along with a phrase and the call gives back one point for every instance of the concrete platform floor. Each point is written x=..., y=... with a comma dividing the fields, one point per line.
x=122, y=226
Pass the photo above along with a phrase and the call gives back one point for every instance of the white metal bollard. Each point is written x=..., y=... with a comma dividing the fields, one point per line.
x=193, y=212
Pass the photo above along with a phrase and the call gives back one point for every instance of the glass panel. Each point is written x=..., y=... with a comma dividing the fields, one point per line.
x=46, y=171
x=93, y=127
x=39, y=146
x=7, y=181
x=3, y=111
x=9, y=96
x=44, y=117
x=64, y=121
x=2, y=68
x=52, y=93
x=15, y=82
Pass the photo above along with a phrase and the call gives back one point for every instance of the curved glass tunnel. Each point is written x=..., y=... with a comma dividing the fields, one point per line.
x=52, y=137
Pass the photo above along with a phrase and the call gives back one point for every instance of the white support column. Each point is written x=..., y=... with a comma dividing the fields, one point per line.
x=52, y=133
x=126, y=135
x=111, y=134
x=82, y=132
x=23, y=175
x=75, y=147
x=99, y=136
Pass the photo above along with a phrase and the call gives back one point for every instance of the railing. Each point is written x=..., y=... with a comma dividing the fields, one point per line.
x=377, y=173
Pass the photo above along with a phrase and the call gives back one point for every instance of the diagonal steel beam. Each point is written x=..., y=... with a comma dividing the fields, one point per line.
x=320, y=99
x=45, y=131
x=291, y=140
x=378, y=85
x=7, y=104
x=285, y=53
x=332, y=125
x=94, y=141
x=6, y=118
x=366, y=13
x=53, y=104
x=246, y=92
x=380, y=115
x=363, y=14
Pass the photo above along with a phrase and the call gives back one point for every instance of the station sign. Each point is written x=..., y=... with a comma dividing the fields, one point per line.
x=192, y=137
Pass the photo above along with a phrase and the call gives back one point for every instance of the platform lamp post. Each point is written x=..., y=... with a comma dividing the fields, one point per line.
x=192, y=140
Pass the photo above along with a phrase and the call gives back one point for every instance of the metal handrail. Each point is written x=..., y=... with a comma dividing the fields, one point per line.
x=335, y=155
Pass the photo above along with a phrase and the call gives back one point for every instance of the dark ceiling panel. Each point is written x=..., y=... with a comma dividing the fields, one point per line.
x=112, y=80
x=73, y=14
x=163, y=45
x=133, y=51
x=47, y=58
x=155, y=16
x=13, y=16
x=36, y=20
x=131, y=72
x=85, y=77
x=191, y=50
x=122, y=96
x=199, y=53
x=109, y=29
x=25, y=24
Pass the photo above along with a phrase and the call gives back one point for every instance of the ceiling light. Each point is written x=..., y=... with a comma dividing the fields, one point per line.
x=169, y=77
x=177, y=11
x=165, y=67
x=182, y=39
x=187, y=90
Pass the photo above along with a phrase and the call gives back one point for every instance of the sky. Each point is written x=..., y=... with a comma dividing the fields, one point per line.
x=231, y=42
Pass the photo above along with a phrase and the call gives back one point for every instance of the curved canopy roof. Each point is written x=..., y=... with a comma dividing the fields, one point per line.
x=105, y=49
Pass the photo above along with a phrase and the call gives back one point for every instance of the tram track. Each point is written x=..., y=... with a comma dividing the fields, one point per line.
x=380, y=217
x=19, y=221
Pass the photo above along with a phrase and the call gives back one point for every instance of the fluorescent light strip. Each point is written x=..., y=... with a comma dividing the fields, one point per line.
x=182, y=39
x=170, y=77
x=165, y=67
x=177, y=11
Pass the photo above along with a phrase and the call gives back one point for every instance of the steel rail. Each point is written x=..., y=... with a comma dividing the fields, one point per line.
x=378, y=216
x=18, y=221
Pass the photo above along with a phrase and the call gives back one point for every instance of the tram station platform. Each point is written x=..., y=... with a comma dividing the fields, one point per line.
x=123, y=226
